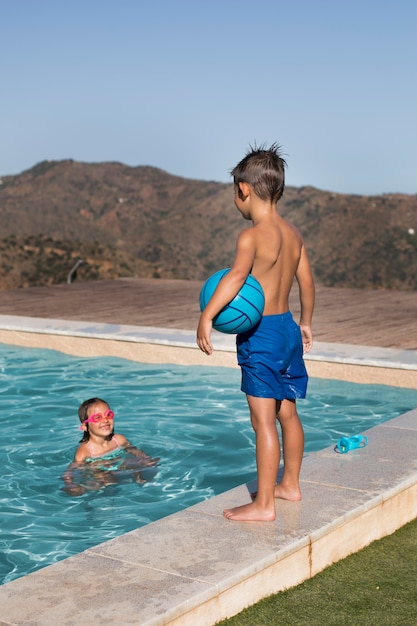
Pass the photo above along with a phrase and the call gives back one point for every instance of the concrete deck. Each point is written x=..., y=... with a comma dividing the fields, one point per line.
x=195, y=568
x=377, y=317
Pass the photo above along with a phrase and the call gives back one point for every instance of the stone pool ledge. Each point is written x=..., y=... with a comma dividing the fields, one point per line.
x=355, y=363
x=195, y=567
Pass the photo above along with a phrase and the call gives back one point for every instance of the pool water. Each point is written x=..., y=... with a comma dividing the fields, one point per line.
x=194, y=418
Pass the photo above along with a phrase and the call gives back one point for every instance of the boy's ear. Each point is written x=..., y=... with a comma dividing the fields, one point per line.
x=245, y=190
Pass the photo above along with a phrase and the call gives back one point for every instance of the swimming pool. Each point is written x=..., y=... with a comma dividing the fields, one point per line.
x=194, y=418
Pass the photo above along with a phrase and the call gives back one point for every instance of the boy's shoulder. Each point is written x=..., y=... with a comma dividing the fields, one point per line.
x=289, y=229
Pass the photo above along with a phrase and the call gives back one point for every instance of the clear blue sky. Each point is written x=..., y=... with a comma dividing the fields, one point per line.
x=187, y=85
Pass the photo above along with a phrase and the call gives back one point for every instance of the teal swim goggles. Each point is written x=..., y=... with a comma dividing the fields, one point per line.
x=351, y=443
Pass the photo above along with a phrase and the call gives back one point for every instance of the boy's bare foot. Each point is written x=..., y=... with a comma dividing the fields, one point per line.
x=293, y=495
x=250, y=513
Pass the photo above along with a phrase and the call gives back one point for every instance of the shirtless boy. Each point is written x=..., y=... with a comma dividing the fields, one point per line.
x=271, y=354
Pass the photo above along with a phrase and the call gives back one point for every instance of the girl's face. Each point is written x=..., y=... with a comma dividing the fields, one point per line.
x=100, y=420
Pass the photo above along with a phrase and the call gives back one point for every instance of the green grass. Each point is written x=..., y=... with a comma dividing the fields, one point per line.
x=376, y=586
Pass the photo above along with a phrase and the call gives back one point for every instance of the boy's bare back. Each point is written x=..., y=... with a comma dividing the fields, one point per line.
x=278, y=251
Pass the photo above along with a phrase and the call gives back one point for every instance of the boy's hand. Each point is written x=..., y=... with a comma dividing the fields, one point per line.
x=307, y=336
x=203, y=335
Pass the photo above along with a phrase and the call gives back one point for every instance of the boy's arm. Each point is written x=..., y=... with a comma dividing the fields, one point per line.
x=227, y=288
x=306, y=287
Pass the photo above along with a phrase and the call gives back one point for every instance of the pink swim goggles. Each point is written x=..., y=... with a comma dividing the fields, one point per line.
x=96, y=418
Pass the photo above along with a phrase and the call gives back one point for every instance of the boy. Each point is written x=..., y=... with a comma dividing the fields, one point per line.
x=270, y=355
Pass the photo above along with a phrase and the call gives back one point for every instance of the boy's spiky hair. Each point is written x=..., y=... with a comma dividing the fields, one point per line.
x=263, y=169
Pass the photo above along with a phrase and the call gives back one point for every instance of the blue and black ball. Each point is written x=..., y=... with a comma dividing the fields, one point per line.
x=243, y=312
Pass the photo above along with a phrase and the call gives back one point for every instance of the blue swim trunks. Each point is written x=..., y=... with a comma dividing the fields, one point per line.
x=271, y=358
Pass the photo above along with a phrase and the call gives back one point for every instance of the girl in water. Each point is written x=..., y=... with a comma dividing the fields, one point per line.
x=102, y=452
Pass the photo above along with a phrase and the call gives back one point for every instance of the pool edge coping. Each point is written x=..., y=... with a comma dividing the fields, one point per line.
x=370, y=356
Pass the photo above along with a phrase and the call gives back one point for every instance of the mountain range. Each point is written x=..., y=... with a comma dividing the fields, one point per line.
x=142, y=221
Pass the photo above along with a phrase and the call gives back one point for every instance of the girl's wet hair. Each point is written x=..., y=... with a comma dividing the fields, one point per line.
x=263, y=169
x=83, y=415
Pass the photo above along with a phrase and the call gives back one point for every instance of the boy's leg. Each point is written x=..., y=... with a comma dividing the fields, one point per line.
x=293, y=450
x=263, y=413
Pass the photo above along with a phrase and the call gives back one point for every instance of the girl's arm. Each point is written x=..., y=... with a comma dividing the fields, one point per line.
x=148, y=460
x=79, y=458
x=68, y=476
x=71, y=487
